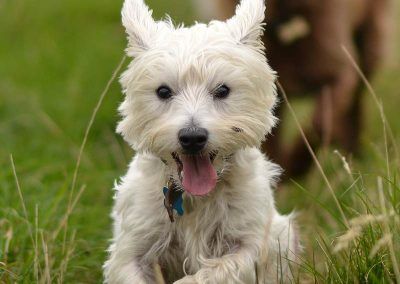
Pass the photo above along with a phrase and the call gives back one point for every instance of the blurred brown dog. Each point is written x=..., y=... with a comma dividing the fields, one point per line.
x=304, y=40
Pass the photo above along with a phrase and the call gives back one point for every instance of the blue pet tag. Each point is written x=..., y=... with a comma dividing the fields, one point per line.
x=173, y=199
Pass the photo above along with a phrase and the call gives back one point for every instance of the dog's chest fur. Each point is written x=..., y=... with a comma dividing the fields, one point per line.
x=201, y=231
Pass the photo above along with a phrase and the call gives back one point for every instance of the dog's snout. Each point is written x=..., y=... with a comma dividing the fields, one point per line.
x=193, y=139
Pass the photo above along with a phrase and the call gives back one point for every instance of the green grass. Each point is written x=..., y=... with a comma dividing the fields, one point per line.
x=55, y=60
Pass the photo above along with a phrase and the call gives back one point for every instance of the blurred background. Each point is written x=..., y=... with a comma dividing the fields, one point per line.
x=55, y=60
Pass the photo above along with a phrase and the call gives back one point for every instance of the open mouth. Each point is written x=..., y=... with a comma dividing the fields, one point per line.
x=196, y=172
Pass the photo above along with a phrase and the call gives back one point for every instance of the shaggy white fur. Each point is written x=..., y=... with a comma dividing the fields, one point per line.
x=233, y=233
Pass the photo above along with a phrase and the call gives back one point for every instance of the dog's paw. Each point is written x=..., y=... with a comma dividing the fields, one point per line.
x=187, y=280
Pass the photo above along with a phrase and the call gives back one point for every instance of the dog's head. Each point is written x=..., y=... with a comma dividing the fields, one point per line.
x=198, y=94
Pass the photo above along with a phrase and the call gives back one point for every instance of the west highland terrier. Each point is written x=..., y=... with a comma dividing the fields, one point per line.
x=197, y=199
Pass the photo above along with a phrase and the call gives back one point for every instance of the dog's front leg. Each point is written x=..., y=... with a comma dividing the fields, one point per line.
x=129, y=272
x=137, y=229
x=232, y=268
x=125, y=266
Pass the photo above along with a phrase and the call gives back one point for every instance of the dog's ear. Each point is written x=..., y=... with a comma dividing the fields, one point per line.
x=139, y=24
x=247, y=26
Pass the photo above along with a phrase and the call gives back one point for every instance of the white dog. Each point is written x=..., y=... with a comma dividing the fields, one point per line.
x=197, y=197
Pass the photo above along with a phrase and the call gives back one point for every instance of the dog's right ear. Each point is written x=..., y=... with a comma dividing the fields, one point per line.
x=139, y=24
x=246, y=26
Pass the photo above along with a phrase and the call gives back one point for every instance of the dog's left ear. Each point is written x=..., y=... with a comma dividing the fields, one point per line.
x=139, y=24
x=246, y=26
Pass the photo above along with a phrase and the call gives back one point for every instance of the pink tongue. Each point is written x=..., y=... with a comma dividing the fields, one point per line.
x=199, y=176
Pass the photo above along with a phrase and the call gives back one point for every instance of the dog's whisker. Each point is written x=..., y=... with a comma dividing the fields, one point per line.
x=237, y=129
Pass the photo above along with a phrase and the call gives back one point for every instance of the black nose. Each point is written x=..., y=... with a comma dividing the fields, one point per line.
x=193, y=139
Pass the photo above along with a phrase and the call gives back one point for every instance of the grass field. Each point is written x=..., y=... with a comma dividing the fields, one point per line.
x=56, y=58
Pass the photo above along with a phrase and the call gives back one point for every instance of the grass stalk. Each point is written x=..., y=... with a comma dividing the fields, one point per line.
x=318, y=164
x=65, y=261
x=84, y=141
x=379, y=105
x=36, y=265
x=21, y=197
x=386, y=228
x=90, y=124
x=46, y=278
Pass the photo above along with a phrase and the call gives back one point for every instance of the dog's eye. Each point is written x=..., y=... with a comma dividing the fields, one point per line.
x=221, y=91
x=164, y=92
